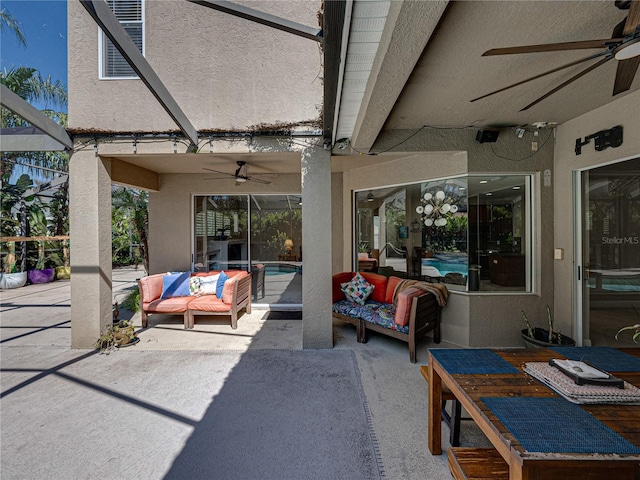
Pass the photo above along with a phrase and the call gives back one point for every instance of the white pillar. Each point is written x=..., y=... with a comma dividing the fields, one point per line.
x=90, y=232
x=316, y=248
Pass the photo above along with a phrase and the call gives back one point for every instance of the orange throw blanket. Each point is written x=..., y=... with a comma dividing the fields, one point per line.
x=438, y=289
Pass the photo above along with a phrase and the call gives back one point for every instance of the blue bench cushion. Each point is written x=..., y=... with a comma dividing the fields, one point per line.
x=374, y=312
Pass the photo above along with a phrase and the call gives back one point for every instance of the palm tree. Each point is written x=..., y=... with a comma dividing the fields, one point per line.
x=31, y=86
x=134, y=203
x=13, y=220
x=8, y=21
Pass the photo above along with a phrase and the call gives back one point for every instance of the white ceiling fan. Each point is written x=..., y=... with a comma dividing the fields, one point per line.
x=241, y=174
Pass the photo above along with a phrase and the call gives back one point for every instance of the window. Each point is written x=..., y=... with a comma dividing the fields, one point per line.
x=131, y=16
x=472, y=233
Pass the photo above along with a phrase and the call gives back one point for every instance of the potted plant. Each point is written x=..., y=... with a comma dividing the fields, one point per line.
x=120, y=334
x=541, y=338
x=63, y=272
x=38, y=228
x=363, y=250
x=59, y=212
x=13, y=224
x=10, y=278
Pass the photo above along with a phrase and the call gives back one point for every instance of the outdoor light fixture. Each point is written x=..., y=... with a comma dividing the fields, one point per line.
x=95, y=149
x=370, y=197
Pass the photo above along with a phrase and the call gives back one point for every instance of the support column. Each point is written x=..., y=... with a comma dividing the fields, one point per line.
x=90, y=238
x=316, y=244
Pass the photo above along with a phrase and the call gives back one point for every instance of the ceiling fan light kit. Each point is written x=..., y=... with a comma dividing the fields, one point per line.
x=628, y=50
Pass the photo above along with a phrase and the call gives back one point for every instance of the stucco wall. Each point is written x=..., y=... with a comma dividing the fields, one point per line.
x=90, y=221
x=170, y=213
x=624, y=111
x=337, y=226
x=483, y=319
x=224, y=72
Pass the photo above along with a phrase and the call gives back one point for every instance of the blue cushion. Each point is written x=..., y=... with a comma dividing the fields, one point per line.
x=175, y=285
x=373, y=312
x=220, y=285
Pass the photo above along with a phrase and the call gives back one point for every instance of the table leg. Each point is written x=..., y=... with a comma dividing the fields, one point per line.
x=434, y=411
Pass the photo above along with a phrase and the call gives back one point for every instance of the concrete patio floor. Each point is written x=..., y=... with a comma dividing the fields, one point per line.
x=42, y=402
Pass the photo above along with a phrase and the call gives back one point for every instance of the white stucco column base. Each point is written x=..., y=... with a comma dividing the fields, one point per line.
x=90, y=232
x=316, y=244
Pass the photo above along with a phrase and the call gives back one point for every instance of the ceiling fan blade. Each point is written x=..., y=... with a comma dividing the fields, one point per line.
x=625, y=74
x=554, y=47
x=633, y=19
x=258, y=180
x=217, y=171
x=572, y=79
x=585, y=59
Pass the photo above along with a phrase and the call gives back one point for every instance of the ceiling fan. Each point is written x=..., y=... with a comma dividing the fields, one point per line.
x=241, y=174
x=624, y=46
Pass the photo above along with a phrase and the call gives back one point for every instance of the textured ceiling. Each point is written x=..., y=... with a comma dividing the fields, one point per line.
x=452, y=71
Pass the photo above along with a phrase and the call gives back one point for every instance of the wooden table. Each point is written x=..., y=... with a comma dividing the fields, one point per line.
x=469, y=388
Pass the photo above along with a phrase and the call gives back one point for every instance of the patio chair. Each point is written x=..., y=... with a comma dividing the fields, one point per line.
x=257, y=280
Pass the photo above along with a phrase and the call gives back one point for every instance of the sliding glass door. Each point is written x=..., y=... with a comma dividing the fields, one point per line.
x=260, y=233
x=276, y=244
x=221, y=232
x=610, y=232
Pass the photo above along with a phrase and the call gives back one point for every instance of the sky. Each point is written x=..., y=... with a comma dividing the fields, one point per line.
x=44, y=24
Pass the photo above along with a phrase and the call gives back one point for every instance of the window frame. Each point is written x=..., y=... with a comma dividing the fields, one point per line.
x=102, y=43
x=529, y=223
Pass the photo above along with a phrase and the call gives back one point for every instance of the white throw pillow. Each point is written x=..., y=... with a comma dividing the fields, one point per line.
x=208, y=284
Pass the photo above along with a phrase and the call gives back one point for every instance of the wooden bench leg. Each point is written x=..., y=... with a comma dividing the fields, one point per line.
x=361, y=332
x=452, y=421
x=454, y=426
x=412, y=349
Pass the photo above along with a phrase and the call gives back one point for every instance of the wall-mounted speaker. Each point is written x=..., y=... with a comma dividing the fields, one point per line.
x=487, y=136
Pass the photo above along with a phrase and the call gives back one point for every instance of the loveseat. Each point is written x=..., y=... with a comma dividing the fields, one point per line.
x=201, y=293
x=402, y=309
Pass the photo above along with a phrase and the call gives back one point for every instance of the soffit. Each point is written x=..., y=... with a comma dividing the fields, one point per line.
x=367, y=23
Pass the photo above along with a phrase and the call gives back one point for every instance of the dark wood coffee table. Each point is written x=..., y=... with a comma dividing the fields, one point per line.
x=565, y=449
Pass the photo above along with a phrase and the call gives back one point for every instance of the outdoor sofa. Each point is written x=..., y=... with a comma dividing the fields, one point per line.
x=201, y=293
x=407, y=314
